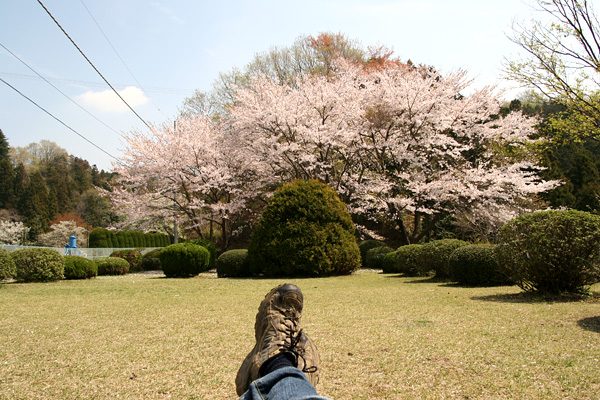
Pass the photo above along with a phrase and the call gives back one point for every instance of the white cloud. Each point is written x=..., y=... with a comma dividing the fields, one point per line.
x=108, y=101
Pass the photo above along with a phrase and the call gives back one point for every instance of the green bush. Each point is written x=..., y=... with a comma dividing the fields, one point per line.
x=133, y=257
x=435, y=255
x=151, y=260
x=79, y=268
x=476, y=265
x=407, y=260
x=551, y=252
x=389, y=263
x=233, y=264
x=365, y=246
x=38, y=265
x=184, y=259
x=374, y=257
x=99, y=238
x=112, y=266
x=210, y=246
x=7, y=266
x=305, y=230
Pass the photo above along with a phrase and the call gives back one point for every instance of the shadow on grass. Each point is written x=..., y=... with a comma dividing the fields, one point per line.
x=524, y=297
x=590, y=324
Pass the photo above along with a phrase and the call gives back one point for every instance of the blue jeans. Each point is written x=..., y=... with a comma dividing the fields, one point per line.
x=286, y=383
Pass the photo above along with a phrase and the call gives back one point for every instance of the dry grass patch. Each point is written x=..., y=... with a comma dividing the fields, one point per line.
x=380, y=336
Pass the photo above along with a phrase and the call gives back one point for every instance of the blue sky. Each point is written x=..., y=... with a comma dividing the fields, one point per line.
x=174, y=47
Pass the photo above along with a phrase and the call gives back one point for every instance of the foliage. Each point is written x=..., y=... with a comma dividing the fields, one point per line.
x=151, y=260
x=112, y=266
x=388, y=264
x=305, y=230
x=184, y=259
x=233, y=264
x=435, y=255
x=60, y=234
x=551, y=252
x=407, y=260
x=367, y=245
x=563, y=59
x=397, y=142
x=375, y=256
x=7, y=265
x=103, y=238
x=13, y=233
x=133, y=257
x=38, y=265
x=389, y=157
x=210, y=246
x=80, y=268
x=476, y=265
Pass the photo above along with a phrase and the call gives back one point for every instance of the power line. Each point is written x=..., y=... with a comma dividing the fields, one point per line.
x=93, y=66
x=118, y=55
x=67, y=126
x=96, y=84
x=61, y=92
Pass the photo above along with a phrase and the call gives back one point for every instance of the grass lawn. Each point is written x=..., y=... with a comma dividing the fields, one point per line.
x=380, y=337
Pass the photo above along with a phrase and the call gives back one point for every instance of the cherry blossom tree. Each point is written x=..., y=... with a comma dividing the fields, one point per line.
x=395, y=141
x=13, y=233
x=189, y=171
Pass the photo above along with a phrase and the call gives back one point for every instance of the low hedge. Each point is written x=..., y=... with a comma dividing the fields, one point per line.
x=77, y=267
x=367, y=245
x=210, y=246
x=133, y=257
x=112, y=266
x=407, y=260
x=184, y=260
x=151, y=260
x=233, y=264
x=374, y=257
x=435, y=255
x=7, y=266
x=38, y=265
x=476, y=265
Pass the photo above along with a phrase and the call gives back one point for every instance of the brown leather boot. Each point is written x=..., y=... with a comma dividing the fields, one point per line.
x=277, y=330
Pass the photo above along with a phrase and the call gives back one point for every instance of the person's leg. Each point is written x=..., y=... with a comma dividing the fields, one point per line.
x=284, y=360
x=287, y=383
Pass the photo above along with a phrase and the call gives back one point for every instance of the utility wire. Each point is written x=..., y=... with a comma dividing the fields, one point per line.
x=118, y=55
x=61, y=92
x=67, y=126
x=93, y=66
x=97, y=84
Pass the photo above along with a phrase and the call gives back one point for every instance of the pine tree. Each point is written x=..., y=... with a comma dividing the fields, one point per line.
x=6, y=183
x=34, y=206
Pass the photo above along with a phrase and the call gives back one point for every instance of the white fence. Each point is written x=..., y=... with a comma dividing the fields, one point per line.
x=90, y=253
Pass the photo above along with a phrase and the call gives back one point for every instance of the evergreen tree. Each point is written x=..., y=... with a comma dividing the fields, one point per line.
x=6, y=183
x=4, y=147
x=34, y=206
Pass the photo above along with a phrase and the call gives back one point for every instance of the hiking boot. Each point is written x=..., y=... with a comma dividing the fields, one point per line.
x=277, y=330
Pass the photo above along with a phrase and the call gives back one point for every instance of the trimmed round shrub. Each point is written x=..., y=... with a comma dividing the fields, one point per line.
x=374, y=257
x=407, y=260
x=112, y=266
x=184, y=259
x=367, y=245
x=133, y=257
x=305, y=230
x=389, y=263
x=435, y=255
x=151, y=260
x=551, y=252
x=38, y=265
x=476, y=265
x=210, y=246
x=233, y=264
x=77, y=267
x=7, y=266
